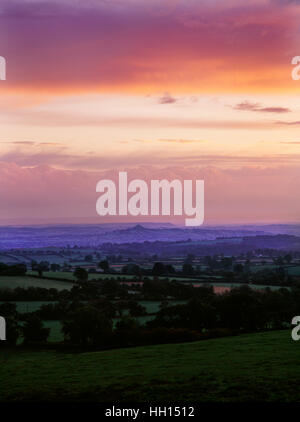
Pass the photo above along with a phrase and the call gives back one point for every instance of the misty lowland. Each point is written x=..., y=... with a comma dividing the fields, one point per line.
x=149, y=311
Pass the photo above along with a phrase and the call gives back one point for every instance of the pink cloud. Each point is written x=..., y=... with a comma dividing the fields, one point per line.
x=109, y=45
x=247, y=106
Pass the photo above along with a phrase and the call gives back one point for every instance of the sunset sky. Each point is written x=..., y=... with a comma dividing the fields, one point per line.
x=198, y=89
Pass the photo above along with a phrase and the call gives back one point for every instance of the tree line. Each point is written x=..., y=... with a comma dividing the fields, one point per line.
x=93, y=324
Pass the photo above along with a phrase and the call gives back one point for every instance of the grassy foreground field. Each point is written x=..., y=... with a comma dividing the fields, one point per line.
x=254, y=367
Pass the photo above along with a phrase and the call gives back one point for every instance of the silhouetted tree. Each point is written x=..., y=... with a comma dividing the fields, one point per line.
x=104, y=265
x=55, y=267
x=86, y=326
x=34, y=331
x=81, y=274
x=158, y=269
x=40, y=267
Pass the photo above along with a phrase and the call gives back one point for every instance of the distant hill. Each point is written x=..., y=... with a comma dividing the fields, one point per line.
x=94, y=235
x=221, y=245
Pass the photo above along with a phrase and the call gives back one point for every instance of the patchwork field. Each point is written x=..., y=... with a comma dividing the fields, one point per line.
x=57, y=336
x=27, y=281
x=59, y=284
x=254, y=367
x=32, y=306
x=69, y=275
x=290, y=269
x=152, y=307
x=205, y=279
x=294, y=270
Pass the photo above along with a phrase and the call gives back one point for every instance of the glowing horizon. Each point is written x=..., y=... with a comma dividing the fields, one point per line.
x=165, y=88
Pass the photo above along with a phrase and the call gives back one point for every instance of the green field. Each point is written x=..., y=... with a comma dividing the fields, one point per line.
x=294, y=270
x=32, y=306
x=55, y=331
x=55, y=326
x=253, y=286
x=256, y=367
x=152, y=306
x=56, y=334
x=27, y=281
x=67, y=275
x=290, y=269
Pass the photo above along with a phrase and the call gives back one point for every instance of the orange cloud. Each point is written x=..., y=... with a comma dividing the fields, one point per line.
x=227, y=47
